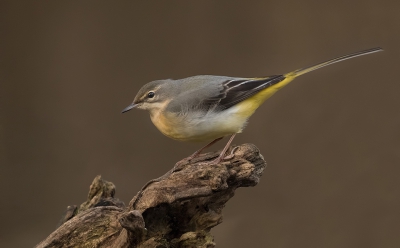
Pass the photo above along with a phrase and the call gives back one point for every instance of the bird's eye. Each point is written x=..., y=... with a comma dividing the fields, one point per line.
x=150, y=94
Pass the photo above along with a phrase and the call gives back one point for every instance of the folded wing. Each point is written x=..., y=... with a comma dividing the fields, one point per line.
x=217, y=93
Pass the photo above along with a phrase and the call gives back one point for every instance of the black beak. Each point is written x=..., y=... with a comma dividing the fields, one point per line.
x=131, y=106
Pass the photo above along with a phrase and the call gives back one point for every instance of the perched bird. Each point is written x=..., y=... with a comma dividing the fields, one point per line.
x=208, y=108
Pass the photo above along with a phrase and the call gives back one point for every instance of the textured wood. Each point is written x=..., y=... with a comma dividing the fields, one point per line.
x=176, y=210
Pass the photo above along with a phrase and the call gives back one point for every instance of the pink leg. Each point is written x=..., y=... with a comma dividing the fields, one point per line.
x=197, y=153
x=201, y=149
x=222, y=154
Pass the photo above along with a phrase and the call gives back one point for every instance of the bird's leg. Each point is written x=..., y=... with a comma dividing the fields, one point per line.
x=197, y=153
x=222, y=154
x=230, y=156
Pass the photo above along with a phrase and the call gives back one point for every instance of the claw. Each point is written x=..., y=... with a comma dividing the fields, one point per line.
x=232, y=155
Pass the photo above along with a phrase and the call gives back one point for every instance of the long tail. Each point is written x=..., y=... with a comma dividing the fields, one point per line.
x=300, y=72
x=270, y=85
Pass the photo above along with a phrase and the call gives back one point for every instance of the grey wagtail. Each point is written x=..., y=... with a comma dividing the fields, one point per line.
x=208, y=108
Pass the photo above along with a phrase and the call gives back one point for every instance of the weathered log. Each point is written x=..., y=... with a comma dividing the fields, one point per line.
x=176, y=210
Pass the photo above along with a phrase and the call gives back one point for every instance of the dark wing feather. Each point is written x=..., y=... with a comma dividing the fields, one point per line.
x=239, y=90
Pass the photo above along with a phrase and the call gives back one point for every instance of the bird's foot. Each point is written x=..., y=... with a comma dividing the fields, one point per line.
x=231, y=155
x=221, y=158
x=218, y=160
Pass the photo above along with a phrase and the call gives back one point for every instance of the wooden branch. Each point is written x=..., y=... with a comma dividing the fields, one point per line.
x=176, y=210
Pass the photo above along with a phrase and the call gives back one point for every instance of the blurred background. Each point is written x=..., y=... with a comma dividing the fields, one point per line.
x=331, y=138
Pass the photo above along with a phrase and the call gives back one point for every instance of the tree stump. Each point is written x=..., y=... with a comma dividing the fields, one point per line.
x=176, y=210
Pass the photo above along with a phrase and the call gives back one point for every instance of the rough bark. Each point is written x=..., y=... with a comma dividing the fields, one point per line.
x=176, y=210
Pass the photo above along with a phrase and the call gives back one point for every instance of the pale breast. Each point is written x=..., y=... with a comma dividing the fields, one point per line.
x=198, y=126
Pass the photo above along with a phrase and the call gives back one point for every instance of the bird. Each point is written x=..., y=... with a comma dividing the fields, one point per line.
x=207, y=108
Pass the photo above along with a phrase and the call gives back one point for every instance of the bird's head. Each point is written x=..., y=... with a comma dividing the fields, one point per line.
x=152, y=96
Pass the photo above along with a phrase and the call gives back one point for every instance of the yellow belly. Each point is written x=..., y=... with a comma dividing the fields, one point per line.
x=197, y=126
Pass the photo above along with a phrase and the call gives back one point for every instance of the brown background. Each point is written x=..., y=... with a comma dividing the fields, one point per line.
x=331, y=138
